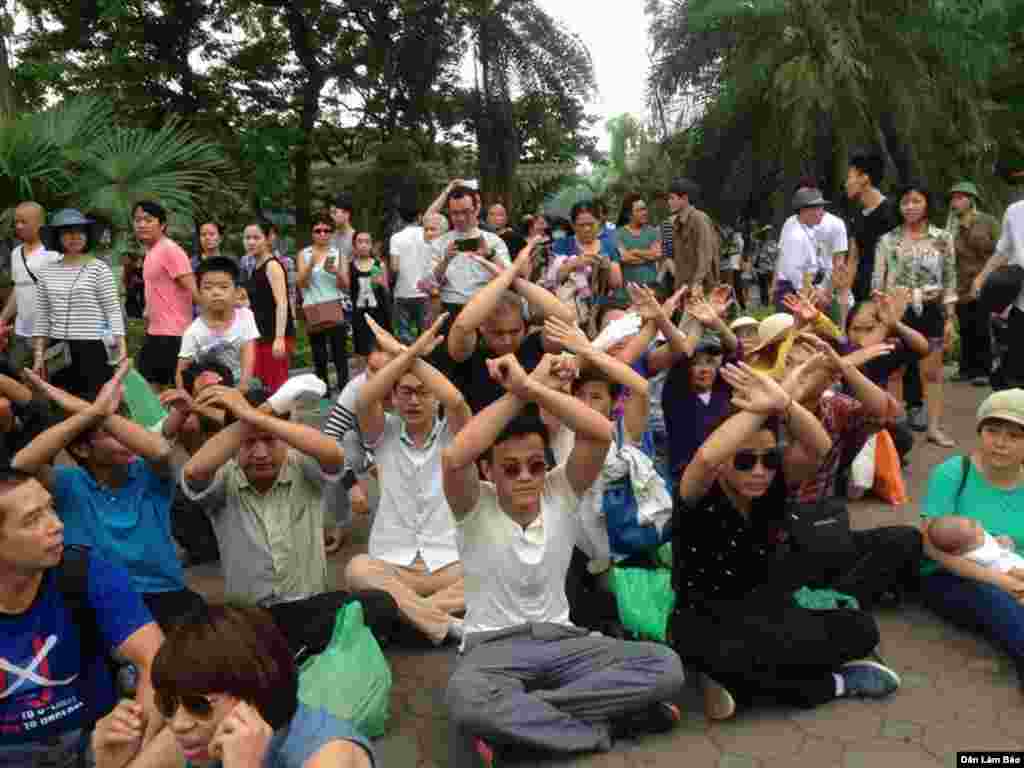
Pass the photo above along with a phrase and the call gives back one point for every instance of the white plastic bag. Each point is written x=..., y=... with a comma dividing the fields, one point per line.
x=862, y=471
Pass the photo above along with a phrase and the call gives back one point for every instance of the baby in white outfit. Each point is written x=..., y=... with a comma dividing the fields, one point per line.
x=956, y=535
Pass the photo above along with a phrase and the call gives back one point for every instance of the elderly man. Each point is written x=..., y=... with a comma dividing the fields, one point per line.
x=261, y=481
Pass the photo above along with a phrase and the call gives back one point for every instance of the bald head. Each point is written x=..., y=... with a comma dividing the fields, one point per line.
x=955, y=535
x=28, y=220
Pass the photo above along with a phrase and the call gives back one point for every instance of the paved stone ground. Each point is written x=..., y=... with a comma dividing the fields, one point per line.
x=958, y=693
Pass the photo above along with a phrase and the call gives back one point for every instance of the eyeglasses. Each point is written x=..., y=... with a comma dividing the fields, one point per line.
x=745, y=461
x=408, y=393
x=322, y=230
x=196, y=705
x=534, y=468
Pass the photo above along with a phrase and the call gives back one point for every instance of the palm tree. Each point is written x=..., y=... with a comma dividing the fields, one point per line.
x=72, y=155
x=518, y=48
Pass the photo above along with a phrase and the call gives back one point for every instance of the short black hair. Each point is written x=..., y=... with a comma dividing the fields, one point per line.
x=199, y=367
x=588, y=375
x=871, y=164
x=10, y=478
x=683, y=186
x=344, y=202
x=461, y=191
x=218, y=264
x=220, y=229
x=922, y=189
x=584, y=206
x=526, y=422
x=153, y=209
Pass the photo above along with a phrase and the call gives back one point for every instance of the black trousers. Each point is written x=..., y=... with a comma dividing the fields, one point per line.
x=335, y=341
x=886, y=561
x=1012, y=367
x=308, y=624
x=764, y=645
x=975, y=339
x=590, y=606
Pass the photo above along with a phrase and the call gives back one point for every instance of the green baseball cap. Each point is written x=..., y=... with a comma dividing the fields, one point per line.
x=966, y=188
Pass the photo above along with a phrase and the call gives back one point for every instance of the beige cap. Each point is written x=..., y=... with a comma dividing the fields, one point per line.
x=1005, y=405
x=772, y=329
x=742, y=322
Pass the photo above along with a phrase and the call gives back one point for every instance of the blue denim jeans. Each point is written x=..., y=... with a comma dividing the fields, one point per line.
x=980, y=607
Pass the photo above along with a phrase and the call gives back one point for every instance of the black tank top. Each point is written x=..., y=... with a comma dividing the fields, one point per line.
x=261, y=301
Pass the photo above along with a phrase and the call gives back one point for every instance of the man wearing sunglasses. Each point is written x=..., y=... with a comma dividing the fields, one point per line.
x=528, y=675
x=54, y=679
x=413, y=555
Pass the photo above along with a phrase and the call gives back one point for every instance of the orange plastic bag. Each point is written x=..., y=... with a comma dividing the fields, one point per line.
x=889, y=485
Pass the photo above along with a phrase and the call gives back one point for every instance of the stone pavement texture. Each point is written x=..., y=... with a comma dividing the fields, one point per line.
x=958, y=692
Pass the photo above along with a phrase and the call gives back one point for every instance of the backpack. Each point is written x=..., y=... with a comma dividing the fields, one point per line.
x=73, y=585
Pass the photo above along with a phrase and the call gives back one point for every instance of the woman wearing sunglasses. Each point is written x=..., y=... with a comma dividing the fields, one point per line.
x=734, y=572
x=228, y=696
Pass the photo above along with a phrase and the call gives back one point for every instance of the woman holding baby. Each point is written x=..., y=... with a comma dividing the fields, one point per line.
x=973, y=527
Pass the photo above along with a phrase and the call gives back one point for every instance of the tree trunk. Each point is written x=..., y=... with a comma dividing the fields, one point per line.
x=7, y=95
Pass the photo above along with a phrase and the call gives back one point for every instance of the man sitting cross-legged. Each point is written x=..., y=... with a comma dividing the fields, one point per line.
x=529, y=677
x=413, y=554
x=261, y=481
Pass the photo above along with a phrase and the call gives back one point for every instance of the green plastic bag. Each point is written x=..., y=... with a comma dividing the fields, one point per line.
x=351, y=679
x=143, y=404
x=824, y=599
x=645, y=598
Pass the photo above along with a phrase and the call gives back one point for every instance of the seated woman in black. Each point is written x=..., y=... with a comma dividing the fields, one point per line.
x=735, y=574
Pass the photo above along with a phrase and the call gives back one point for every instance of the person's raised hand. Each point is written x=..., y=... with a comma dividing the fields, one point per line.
x=546, y=371
x=109, y=397
x=117, y=737
x=242, y=738
x=704, y=312
x=176, y=399
x=644, y=302
x=673, y=302
x=565, y=335
x=430, y=339
x=226, y=398
x=871, y=352
x=754, y=391
x=507, y=371
x=566, y=367
x=801, y=308
x=385, y=341
x=721, y=299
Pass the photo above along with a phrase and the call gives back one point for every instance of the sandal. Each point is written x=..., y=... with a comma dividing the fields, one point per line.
x=940, y=439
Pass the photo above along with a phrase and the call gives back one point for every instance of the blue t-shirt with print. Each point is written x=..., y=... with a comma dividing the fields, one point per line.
x=129, y=526
x=45, y=684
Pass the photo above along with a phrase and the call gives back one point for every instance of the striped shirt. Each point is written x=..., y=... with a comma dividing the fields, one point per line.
x=77, y=301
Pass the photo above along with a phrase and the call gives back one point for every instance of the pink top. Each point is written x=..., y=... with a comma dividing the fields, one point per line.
x=168, y=304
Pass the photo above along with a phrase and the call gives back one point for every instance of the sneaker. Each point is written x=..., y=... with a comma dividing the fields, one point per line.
x=718, y=702
x=869, y=679
x=660, y=717
x=917, y=418
x=486, y=753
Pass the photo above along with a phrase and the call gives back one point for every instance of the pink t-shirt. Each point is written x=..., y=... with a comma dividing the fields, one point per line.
x=169, y=304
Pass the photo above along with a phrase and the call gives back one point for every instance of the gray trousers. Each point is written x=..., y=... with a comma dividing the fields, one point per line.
x=552, y=688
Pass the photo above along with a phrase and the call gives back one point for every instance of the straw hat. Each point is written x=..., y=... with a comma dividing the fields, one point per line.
x=773, y=329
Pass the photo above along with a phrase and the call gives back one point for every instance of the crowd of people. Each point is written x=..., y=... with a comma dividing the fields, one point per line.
x=537, y=411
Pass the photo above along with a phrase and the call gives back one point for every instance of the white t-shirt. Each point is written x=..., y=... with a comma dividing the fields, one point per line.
x=25, y=286
x=992, y=554
x=1011, y=241
x=202, y=343
x=832, y=239
x=413, y=517
x=464, y=276
x=413, y=256
x=515, y=576
x=798, y=252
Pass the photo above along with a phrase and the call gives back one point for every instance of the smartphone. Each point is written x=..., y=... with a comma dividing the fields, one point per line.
x=469, y=244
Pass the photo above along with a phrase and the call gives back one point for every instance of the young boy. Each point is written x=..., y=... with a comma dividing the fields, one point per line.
x=223, y=332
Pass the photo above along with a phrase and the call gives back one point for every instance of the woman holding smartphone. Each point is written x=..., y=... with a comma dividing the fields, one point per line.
x=321, y=285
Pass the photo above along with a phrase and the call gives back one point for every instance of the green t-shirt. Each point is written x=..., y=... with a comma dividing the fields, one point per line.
x=643, y=274
x=1000, y=512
